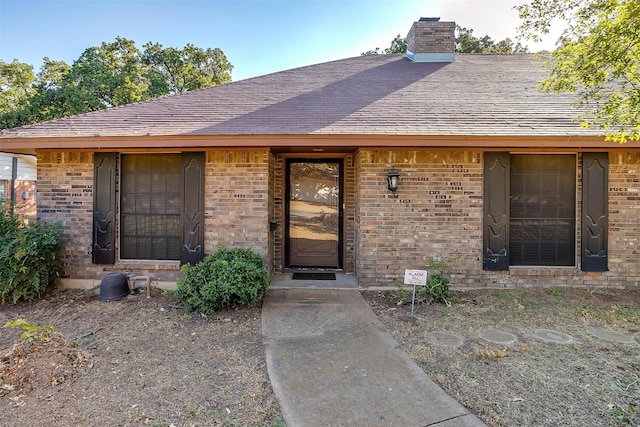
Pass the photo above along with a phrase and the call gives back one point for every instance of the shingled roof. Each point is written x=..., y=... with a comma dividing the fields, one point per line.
x=492, y=95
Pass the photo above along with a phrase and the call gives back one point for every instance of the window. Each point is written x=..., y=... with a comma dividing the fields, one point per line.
x=3, y=189
x=150, y=207
x=161, y=207
x=529, y=213
x=542, y=206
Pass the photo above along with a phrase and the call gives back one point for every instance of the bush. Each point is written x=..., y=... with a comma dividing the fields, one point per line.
x=30, y=257
x=438, y=283
x=437, y=289
x=224, y=279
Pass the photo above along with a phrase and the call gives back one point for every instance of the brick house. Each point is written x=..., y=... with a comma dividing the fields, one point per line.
x=295, y=165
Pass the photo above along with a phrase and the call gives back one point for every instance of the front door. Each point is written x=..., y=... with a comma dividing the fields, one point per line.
x=313, y=214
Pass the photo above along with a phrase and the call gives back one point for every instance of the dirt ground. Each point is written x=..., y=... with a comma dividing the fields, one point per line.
x=145, y=362
x=133, y=362
x=591, y=382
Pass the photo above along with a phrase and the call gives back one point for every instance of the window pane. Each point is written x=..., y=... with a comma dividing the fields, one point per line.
x=549, y=208
x=531, y=231
x=565, y=254
x=143, y=248
x=128, y=225
x=566, y=186
x=542, y=210
x=565, y=231
x=150, y=206
x=532, y=207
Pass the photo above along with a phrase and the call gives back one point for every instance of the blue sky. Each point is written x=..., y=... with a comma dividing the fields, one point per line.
x=258, y=37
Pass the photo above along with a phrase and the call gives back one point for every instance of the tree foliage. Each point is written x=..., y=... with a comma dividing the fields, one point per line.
x=16, y=79
x=465, y=43
x=105, y=76
x=597, y=58
x=175, y=71
x=398, y=45
x=109, y=75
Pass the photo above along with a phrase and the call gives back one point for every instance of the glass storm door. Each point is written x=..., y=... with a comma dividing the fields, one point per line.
x=314, y=219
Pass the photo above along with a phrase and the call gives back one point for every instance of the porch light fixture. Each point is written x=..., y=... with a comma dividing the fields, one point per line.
x=392, y=181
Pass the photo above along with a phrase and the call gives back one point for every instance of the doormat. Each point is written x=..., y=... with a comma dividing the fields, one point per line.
x=314, y=276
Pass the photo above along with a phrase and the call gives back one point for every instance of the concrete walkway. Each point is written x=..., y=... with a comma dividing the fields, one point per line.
x=331, y=363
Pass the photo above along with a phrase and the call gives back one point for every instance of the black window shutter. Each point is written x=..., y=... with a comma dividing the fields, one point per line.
x=595, y=201
x=496, y=211
x=192, y=208
x=104, y=208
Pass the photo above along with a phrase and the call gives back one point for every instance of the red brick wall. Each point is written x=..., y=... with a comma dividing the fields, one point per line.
x=237, y=194
x=65, y=185
x=439, y=212
x=271, y=200
x=278, y=212
x=349, y=215
x=624, y=219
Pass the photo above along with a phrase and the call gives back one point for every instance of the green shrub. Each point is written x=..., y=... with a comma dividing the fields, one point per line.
x=30, y=257
x=438, y=283
x=437, y=289
x=223, y=279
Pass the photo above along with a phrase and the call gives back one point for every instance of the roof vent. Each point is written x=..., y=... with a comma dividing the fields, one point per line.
x=430, y=40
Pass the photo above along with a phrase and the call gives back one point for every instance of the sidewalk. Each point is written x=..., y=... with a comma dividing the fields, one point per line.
x=331, y=363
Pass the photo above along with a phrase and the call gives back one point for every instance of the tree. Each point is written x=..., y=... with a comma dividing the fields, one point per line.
x=54, y=95
x=176, y=71
x=597, y=58
x=105, y=76
x=109, y=75
x=398, y=45
x=16, y=79
x=15, y=85
x=465, y=43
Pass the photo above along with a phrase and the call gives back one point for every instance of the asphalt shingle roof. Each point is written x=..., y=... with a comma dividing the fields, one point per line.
x=494, y=95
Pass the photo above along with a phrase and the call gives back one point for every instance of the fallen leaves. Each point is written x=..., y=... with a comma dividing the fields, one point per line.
x=488, y=353
x=28, y=365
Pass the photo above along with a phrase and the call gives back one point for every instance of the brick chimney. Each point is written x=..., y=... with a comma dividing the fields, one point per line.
x=430, y=40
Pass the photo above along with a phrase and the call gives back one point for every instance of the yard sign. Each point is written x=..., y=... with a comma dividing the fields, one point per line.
x=415, y=277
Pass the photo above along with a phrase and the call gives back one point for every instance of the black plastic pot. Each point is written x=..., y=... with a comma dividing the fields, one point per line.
x=113, y=287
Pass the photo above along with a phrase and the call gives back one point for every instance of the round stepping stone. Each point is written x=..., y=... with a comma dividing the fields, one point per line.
x=497, y=336
x=553, y=337
x=605, y=334
x=443, y=339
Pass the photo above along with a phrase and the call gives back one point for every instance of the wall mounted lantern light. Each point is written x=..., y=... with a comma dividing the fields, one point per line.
x=392, y=181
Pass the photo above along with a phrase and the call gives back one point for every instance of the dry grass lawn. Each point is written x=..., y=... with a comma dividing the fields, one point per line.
x=591, y=382
x=149, y=364
x=145, y=362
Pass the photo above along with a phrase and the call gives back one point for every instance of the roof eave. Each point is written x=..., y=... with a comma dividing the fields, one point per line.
x=189, y=142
